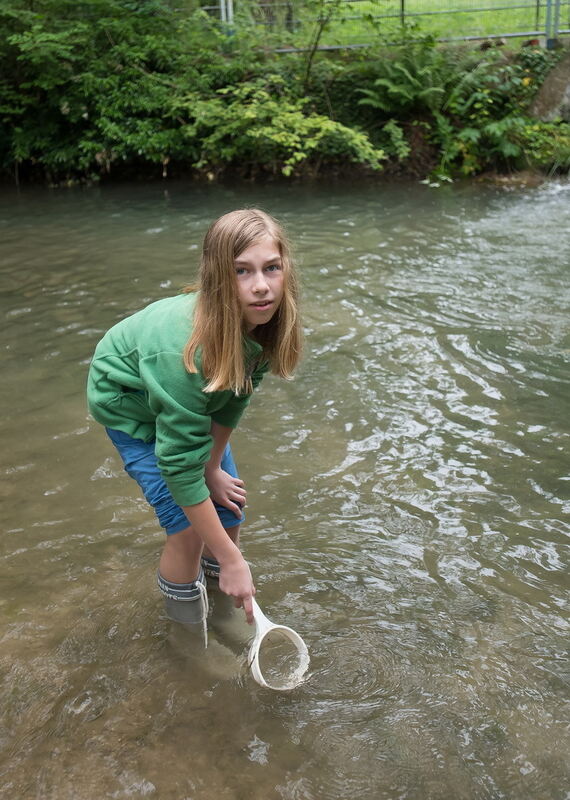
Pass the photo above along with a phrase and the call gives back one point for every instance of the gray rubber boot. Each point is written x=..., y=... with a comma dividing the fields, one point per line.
x=186, y=603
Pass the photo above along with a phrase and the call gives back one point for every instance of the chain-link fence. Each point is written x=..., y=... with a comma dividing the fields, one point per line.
x=356, y=23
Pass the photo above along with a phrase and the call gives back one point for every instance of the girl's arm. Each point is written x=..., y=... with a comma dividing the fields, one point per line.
x=223, y=488
x=221, y=436
x=235, y=575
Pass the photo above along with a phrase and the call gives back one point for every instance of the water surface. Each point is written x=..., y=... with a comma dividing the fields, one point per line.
x=408, y=506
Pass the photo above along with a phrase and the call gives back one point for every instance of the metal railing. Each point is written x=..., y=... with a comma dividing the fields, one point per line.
x=358, y=23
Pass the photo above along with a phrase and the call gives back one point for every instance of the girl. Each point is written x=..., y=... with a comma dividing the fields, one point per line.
x=171, y=382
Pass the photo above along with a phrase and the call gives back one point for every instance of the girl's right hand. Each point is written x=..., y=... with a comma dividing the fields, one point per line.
x=225, y=490
x=236, y=580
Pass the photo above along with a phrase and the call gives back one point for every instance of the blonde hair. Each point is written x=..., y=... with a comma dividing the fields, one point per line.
x=219, y=327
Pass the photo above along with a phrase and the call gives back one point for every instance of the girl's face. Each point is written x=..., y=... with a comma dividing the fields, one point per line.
x=259, y=274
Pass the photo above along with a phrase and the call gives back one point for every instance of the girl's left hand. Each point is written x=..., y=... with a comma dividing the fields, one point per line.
x=226, y=490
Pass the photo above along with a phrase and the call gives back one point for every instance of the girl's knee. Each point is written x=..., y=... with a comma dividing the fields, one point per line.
x=183, y=539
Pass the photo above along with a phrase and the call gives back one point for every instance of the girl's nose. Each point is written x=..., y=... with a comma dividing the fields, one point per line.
x=260, y=283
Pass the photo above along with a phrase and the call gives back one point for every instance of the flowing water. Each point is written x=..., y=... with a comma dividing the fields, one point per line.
x=407, y=510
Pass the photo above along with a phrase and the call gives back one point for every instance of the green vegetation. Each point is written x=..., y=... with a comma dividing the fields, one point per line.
x=91, y=88
x=364, y=20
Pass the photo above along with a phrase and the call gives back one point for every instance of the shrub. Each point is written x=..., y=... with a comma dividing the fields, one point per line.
x=545, y=145
x=257, y=127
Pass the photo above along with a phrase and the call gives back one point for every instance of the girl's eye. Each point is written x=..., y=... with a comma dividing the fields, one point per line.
x=241, y=270
x=273, y=267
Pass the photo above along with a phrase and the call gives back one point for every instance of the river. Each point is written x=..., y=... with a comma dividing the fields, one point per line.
x=408, y=506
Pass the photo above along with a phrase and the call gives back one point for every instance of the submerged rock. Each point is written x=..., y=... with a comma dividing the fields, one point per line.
x=523, y=178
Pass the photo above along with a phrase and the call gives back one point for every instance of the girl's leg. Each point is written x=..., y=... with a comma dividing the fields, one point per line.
x=180, y=559
x=180, y=575
x=181, y=580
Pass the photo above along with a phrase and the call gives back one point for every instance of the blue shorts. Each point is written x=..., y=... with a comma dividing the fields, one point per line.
x=140, y=463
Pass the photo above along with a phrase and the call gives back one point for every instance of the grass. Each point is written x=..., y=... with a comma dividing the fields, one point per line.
x=367, y=21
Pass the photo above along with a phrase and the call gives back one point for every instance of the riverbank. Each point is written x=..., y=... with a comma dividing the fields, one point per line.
x=98, y=93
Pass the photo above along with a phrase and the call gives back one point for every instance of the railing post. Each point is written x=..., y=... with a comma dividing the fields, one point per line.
x=552, y=23
x=556, y=24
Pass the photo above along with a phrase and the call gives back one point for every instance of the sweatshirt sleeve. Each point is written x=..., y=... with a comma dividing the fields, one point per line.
x=183, y=440
x=232, y=411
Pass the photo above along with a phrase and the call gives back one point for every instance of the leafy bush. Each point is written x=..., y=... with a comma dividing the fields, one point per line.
x=414, y=80
x=545, y=145
x=482, y=122
x=113, y=85
x=258, y=127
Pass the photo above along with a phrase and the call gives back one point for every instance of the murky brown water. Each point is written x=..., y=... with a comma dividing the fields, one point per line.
x=408, y=507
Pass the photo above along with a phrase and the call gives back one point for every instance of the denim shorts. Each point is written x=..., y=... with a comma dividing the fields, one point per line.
x=140, y=463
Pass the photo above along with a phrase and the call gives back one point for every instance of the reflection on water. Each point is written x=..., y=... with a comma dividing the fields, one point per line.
x=408, y=507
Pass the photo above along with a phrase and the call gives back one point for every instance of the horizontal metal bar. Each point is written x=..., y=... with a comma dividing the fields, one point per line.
x=422, y=13
x=521, y=35
x=398, y=14
x=469, y=10
x=487, y=8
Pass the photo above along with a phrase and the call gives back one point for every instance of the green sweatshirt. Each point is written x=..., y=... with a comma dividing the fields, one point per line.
x=138, y=384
